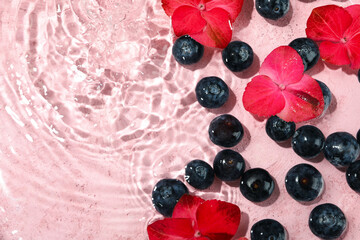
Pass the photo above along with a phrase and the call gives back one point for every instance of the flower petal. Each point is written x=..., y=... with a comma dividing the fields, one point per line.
x=233, y=7
x=303, y=101
x=354, y=11
x=283, y=65
x=170, y=6
x=328, y=23
x=218, y=220
x=217, y=32
x=187, y=20
x=352, y=35
x=263, y=97
x=171, y=229
x=186, y=207
x=242, y=238
x=334, y=53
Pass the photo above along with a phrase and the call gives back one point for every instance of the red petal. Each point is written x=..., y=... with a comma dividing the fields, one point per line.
x=303, y=101
x=334, y=53
x=283, y=65
x=354, y=11
x=217, y=32
x=242, y=238
x=263, y=97
x=233, y=7
x=187, y=20
x=328, y=23
x=218, y=220
x=171, y=229
x=170, y=6
x=186, y=207
x=352, y=35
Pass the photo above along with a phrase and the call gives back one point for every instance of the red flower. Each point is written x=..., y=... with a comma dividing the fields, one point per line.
x=283, y=89
x=338, y=29
x=194, y=218
x=207, y=21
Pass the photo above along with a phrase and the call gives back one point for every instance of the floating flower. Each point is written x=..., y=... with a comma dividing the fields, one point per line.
x=283, y=89
x=209, y=22
x=338, y=30
x=194, y=218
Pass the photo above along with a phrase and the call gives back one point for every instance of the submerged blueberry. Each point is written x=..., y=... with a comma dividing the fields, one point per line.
x=308, y=50
x=257, y=185
x=304, y=182
x=278, y=129
x=187, y=51
x=341, y=149
x=212, y=92
x=199, y=174
x=166, y=194
x=353, y=176
x=326, y=94
x=225, y=130
x=308, y=141
x=327, y=221
x=267, y=229
x=237, y=56
x=229, y=165
x=272, y=9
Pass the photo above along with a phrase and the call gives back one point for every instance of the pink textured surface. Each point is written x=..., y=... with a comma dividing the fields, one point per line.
x=95, y=111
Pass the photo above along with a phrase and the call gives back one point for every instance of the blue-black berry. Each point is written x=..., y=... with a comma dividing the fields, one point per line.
x=278, y=129
x=237, y=56
x=326, y=94
x=272, y=9
x=229, y=165
x=308, y=141
x=225, y=130
x=353, y=176
x=268, y=229
x=187, y=51
x=308, y=50
x=256, y=185
x=199, y=174
x=212, y=92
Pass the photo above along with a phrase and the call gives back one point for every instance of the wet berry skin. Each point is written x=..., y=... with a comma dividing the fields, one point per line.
x=267, y=229
x=304, y=182
x=326, y=94
x=187, y=51
x=166, y=194
x=359, y=75
x=278, y=129
x=308, y=50
x=225, y=130
x=272, y=9
x=229, y=165
x=212, y=92
x=237, y=56
x=353, y=176
x=308, y=141
x=341, y=149
x=358, y=136
x=199, y=174
x=327, y=221
x=256, y=185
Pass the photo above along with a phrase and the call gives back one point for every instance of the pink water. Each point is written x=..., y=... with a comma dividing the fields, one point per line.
x=94, y=111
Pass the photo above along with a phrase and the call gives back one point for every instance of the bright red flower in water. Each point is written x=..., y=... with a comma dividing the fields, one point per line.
x=207, y=21
x=283, y=89
x=194, y=218
x=338, y=29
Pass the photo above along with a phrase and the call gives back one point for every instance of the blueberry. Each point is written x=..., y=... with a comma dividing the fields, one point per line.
x=358, y=136
x=212, y=92
x=226, y=130
x=353, y=176
x=187, y=51
x=278, y=129
x=272, y=9
x=229, y=165
x=267, y=229
x=308, y=141
x=304, y=182
x=237, y=56
x=199, y=174
x=308, y=50
x=257, y=185
x=166, y=194
x=359, y=75
x=341, y=149
x=327, y=221
x=326, y=94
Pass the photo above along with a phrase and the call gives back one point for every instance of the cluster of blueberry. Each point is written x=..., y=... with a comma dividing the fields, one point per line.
x=303, y=182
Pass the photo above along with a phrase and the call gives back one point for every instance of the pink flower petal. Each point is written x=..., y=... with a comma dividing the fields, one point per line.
x=233, y=7
x=187, y=20
x=354, y=11
x=171, y=229
x=328, y=23
x=186, y=207
x=170, y=6
x=263, y=97
x=218, y=220
x=283, y=65
x=217, y=32
x=334, y=53
x=303, y=101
